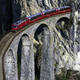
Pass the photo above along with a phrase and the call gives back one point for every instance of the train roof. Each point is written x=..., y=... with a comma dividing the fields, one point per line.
x=33, y=15
x=38, y=14
x=65, y=7
x=54, y=9
x=19, y=21
x=49, y=10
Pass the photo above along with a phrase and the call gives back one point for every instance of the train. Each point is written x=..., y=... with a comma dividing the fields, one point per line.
x=39, y=16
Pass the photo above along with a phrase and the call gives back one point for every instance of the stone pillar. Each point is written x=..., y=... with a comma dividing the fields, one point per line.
x=75, y=30
x=27, y=60
x=74, y=6
x=46, y=72
x=10, y=66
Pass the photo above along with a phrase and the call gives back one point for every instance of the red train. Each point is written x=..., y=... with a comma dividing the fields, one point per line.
x=31, y=19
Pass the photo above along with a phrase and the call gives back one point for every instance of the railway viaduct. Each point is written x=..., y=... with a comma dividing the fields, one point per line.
x=40, y=34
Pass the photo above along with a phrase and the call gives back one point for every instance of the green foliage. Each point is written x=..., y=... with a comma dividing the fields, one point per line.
x=65, y=75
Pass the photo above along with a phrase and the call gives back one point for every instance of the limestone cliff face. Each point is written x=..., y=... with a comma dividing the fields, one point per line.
x=23, y=8
x=13, y=10
x=63, y=39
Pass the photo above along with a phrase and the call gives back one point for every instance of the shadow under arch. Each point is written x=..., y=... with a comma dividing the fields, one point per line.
x=63, y=26
x=19, y=54
x=38, y=36
x=25, y=35
x=65, y=19
x=39, y=30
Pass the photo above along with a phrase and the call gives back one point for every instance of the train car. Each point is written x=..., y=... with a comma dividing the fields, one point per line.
x=57, y=11
x=49, y=11
x=19, y=24
x=36, y=17
x=64, y=8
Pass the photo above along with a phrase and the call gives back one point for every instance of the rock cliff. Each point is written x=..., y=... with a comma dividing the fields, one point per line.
x=23, y=8
x=13, y=10
x=63, y=39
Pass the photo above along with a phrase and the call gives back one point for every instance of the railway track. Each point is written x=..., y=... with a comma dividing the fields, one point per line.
x=5, y=41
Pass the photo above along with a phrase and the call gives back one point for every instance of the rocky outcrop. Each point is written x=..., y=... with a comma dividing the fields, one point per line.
x=63, y=52
x=13, y=10
x=23, y=8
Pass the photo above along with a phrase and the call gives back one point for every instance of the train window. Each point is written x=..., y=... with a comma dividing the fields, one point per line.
x=49, y=11
x=20, y=21
x=34, y=16
x=65, y=7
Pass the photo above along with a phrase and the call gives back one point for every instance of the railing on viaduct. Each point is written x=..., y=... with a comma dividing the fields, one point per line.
x=28, y=54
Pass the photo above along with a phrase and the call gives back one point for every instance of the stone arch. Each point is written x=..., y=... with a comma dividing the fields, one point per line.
x=63, y=18
x=19, y=54
x=19, y=57
x=39, y=30
x=38, y=35
x=27, y=59
x=63, y=21
x=25, y=36
x=63, y=26
x=10, y=68
x=41, y=33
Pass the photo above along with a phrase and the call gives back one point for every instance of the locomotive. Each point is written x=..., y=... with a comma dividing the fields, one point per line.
x=36, y=17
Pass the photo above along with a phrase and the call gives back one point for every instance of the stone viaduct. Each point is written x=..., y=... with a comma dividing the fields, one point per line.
x=17, y=54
